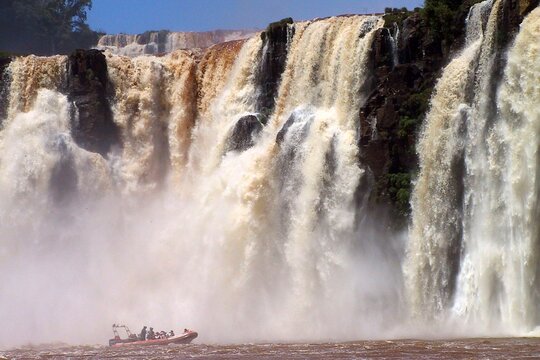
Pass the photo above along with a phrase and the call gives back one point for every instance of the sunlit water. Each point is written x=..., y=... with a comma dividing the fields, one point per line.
x=511, y=348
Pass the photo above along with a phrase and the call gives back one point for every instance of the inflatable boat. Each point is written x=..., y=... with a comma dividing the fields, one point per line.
x=132, y=340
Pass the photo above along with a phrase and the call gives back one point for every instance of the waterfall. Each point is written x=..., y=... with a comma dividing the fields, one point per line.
x=154, y=106
x=28, y=74
x=472, y=240
x=174, y=225
x=159, y=42
x=516, y=134
x=394, y=41
x=236, y=97
x=213, y=71
x=232, y=198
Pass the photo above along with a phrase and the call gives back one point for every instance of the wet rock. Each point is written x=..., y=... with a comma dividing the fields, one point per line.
x=93, y=129
x=284, y=129
x=63, y=181
x=382, y=49
x=244, y=132
x=4, y=62
x=513, y=13
x=275, y=40
x=4, y=86
x=390, y=118
x=303, y=123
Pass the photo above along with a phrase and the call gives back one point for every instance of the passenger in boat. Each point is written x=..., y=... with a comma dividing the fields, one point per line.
x=170, y=334
x=151, y=334
x=142, y=336
x=186, y=330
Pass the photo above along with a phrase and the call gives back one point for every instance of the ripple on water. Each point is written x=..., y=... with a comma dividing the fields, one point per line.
x=523, y=348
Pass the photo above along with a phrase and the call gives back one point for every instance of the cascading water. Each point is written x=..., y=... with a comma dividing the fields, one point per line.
x=318, y=174
x=31, y=73
x=174, y=226
x=471, y=254
x=155, y=105
x=440, y=150
x=394, y=41
x=159, y=42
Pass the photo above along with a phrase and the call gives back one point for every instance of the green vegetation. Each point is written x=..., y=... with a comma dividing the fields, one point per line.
x=407, y=126
x=394, y=15
x=441, y=28
x=416, y=106
x=445, y=17
x=412, y=112
x=399, y=189
x=45, y=27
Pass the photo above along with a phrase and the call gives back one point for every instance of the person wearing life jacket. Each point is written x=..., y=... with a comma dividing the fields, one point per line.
x=151, y=335
x=142, y=336
x=170, y=334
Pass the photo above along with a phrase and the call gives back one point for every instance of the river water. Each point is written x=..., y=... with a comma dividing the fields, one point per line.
x=507, y=348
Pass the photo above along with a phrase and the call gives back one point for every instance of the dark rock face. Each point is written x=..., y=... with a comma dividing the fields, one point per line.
x=63, y=182
x=159, y=36
x=244, y=133
x=390, y=118
x=94, y=129
x=300, y=133
x=4, y=62
x=273, y=59
x=284, y=129
x=4, y=86
x=416, y=43
x=513, y=13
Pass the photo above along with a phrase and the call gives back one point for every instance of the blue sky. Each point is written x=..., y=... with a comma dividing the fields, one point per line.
x=136, y=16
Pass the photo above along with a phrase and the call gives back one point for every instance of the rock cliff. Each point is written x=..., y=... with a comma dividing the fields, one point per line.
x=272, y=64
x=4, y=62
x=407, y=60
x=275, y=39
x=87, y=80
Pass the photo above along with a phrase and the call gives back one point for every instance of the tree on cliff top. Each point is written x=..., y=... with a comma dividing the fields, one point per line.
x=45, y=27
x=445, y=17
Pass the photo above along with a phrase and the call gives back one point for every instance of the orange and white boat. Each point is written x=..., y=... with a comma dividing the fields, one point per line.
x=185, y=338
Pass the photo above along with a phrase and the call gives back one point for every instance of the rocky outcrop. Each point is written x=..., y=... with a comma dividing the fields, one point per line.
x=4, y=86
x=63, y=181
x=513, y=13
x=284, y=129
x=272, y=64
x=244, y=133
x=390, y=118
x=275, y=41
x=4, y=62
x=92, y=125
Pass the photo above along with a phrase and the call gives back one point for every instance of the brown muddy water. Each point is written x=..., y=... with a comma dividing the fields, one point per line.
x=509, y=348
